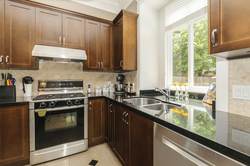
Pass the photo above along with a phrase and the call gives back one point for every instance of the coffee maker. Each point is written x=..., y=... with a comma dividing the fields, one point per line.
x=120, y=86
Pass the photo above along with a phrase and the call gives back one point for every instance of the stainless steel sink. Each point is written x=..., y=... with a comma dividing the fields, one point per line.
x=142, y=101
x=159, y=107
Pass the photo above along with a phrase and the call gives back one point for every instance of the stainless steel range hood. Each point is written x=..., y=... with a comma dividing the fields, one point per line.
x=58, y=54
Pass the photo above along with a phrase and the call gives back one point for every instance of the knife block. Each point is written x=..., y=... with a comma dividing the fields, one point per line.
x=8, y=91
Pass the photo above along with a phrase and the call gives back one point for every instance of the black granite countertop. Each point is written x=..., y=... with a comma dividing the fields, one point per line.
x=14, y=101
x=214, y=129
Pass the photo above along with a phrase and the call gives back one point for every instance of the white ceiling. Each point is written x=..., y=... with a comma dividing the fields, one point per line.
x=113, y=6
x=157, y=4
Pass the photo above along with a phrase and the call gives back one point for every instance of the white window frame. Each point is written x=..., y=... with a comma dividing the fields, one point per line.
x=169, y=58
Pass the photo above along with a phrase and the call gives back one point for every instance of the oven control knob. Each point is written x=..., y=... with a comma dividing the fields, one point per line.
x=77, y=102
x=42, y=105
x=52, y=104
x=69, y=102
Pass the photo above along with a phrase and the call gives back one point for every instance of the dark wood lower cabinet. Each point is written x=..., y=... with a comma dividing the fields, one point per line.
x=130, y=136
x=140, y=140
x=14, y=135
x=96, y=121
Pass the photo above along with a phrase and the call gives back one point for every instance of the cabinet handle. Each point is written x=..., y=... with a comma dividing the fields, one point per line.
x=60, y=40
x=125, y=118
x=64, y=40
x=110, y=108
x=7, y=59
x=90, y=106
x=101, y=65
x=213, y=37
x=121, y=63
x=98, y=65
x=1, y=60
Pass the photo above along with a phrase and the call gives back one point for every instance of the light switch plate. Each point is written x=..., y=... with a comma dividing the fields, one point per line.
x=241, y=92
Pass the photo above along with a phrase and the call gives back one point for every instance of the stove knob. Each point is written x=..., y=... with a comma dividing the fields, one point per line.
x=52, y=104
x=69, y=102
x=42, y=105
x=77, y=102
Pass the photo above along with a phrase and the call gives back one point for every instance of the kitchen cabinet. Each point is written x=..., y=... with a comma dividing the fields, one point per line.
x=110, y=124
x=121, y=131
x=2, y=57
x=99, y=46
x=125, y=41
x=73, y=32
x=14, y=135
x=228, y=28
x=134, y=145
x=48, y=27
x=58, y=29
x=19, y=36
x=140, y=140
x=96, y=121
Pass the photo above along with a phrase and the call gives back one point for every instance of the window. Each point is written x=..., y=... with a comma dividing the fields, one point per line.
x=187, y=52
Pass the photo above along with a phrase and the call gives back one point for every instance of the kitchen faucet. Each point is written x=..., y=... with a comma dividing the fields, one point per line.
x=166, y=94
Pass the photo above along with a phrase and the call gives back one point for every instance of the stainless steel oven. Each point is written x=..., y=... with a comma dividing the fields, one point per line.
x=62, y=131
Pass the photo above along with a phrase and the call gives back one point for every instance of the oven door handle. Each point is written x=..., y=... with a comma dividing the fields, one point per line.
x=63, y=108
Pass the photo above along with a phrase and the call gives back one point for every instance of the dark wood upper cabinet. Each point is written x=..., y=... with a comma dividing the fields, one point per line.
x=48, y=27
x=99, y=46
x=107, y=49
x=14, y=135
x=96, y=121
x=19, y=35
x=228, y=21
x=92, y=32
x=2, y=57
x=125, y=41
x=73, y=32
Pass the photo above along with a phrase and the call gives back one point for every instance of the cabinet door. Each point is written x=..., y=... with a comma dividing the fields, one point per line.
x=2, y=58
x=118, y=45
x=140, y=140
x=92, y=45
x=110, y=124
x=73, y=32
x=19, y=35
x=120, y=143
x=231, y=20
x=14, y=135
x=48, y=27
x=96, y=121
x=107, y=56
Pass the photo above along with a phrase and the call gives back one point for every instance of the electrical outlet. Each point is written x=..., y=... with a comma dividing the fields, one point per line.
x=241, y=92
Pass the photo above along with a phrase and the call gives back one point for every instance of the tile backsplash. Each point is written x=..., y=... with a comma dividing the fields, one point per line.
x=239, y=74
x=62, y=71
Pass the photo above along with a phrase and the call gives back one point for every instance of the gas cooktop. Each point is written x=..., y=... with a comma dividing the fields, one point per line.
x=59, y=96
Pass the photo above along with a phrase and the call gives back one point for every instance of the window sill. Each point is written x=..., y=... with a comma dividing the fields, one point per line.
x=202, y=90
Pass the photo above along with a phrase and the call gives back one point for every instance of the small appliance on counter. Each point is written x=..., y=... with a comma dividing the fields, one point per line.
x=27, y=86
x=120, y=86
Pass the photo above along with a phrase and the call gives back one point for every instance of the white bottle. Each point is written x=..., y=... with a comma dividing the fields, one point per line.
x=89, y=90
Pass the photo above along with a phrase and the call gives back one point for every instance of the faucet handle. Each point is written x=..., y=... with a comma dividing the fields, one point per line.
x=157, y=88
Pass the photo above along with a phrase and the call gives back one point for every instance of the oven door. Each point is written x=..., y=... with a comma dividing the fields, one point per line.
x=59, y=127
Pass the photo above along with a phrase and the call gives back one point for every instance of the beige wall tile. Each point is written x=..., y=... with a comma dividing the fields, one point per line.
x=61, y=71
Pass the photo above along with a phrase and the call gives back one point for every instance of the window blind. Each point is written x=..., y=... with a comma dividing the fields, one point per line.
x=178, y=9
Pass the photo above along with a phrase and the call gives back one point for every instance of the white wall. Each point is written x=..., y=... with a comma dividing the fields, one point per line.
x=222, y=81
x=148, y=47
